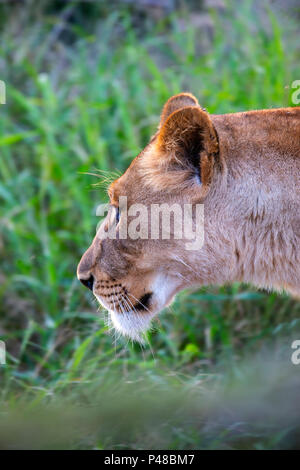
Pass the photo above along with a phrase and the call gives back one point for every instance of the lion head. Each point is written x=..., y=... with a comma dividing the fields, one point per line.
x=136, y=269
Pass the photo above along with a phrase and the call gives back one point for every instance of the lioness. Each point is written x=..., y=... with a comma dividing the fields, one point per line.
x=244, y=169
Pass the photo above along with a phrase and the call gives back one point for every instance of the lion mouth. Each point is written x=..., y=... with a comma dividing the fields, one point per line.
x=130, y=314
x=124, y=302
x=144, y=302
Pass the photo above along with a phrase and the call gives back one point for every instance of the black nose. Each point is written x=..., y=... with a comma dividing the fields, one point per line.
x=88, y=282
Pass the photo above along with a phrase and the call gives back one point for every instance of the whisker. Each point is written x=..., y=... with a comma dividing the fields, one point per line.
x=147, y=339
x=176, y=258
x=139, y=302
x=182, y=277
x=115, y=336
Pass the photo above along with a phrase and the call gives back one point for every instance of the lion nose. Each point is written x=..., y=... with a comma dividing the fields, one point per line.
x=87, y=282
x=84, y=268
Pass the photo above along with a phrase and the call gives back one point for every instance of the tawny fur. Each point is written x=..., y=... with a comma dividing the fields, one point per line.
x=249, y=164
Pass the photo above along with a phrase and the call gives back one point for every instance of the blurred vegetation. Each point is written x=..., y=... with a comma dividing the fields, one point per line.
x=85, y=83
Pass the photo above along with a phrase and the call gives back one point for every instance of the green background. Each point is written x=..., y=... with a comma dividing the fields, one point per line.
x=85, y=84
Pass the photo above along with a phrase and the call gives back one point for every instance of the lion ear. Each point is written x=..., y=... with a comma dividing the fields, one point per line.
x=177, y=102
x=189, y=137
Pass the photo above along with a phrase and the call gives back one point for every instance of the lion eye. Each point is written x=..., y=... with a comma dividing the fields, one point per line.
x=117, y=215
x=198, y=176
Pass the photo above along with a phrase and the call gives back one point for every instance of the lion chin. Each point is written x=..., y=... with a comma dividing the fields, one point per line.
x=131, y=324
x=132, y=320
x=128, y=322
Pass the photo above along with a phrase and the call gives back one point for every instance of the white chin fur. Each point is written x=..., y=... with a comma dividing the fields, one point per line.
x=134, y=324
x=131, y=324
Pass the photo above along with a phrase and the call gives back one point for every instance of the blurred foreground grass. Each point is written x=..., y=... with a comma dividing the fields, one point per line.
x=85, y=101
x=252, y=405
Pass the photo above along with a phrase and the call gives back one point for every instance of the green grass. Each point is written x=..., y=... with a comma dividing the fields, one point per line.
x=75, y=106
